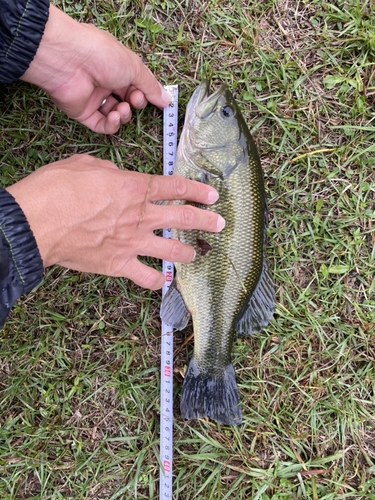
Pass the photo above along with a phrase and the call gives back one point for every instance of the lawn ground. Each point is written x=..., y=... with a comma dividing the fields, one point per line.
x=79, y=357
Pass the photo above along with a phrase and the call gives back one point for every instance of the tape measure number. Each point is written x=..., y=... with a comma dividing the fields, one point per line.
x=166, y=376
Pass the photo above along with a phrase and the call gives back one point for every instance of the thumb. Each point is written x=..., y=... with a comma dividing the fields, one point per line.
x=142, y=79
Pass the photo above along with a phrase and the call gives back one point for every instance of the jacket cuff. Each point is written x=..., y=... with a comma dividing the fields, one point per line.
x=21, y=29
x=21, y=266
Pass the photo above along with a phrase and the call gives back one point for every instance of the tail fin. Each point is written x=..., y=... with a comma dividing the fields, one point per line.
x=214, y=396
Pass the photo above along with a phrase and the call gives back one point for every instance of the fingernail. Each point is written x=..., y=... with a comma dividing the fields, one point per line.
x=166, y=97
x=195, y=254
x=212, y=197
x=220, y=223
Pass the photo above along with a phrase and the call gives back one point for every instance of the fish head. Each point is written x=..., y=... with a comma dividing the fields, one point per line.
x=215, y=133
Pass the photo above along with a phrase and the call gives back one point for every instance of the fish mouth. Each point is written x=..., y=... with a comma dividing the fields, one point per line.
x=202, y=104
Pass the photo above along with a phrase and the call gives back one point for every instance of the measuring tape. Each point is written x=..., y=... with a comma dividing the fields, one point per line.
x=166, y=376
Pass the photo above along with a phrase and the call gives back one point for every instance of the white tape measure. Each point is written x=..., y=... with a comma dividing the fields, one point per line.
x=166, y=375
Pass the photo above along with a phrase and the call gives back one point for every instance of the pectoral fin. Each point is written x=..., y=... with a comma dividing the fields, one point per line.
x=260, y=307
x=173, y=310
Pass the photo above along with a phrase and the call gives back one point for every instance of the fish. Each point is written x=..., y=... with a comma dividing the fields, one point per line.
x=227, y=289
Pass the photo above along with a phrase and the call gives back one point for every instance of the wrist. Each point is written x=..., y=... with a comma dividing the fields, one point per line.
x=40, y=210
x=21, y=267
x=54, y=55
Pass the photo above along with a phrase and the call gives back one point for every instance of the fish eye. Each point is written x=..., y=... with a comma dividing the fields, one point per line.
x=227, y=112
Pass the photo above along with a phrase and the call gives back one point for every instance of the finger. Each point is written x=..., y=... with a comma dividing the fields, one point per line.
x=137, y=99
x=107, y=105
x=185, y=217
x=143, y=79
x=123, y=108
x=125, y=112
x=169, y=249
x=134, y=97
x=144, y=276
x=175, y=187
x=103, y=124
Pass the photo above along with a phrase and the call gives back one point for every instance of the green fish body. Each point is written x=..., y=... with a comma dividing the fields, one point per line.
x=227, y=288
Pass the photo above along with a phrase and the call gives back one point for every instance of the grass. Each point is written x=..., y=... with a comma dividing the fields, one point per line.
x=79, y=357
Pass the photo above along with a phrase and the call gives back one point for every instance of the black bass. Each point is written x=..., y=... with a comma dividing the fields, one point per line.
x=227, y=288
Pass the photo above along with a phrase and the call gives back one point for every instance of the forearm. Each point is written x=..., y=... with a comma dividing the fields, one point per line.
x=22, y=24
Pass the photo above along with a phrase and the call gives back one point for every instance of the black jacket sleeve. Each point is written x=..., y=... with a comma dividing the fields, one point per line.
x=21, y=267
x=22, y=25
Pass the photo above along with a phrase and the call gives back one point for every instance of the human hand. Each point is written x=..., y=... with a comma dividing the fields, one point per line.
x=88, y=215
x=80, y=65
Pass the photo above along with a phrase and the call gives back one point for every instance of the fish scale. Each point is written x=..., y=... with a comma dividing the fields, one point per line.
x=207, y=272
x=227, y=288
